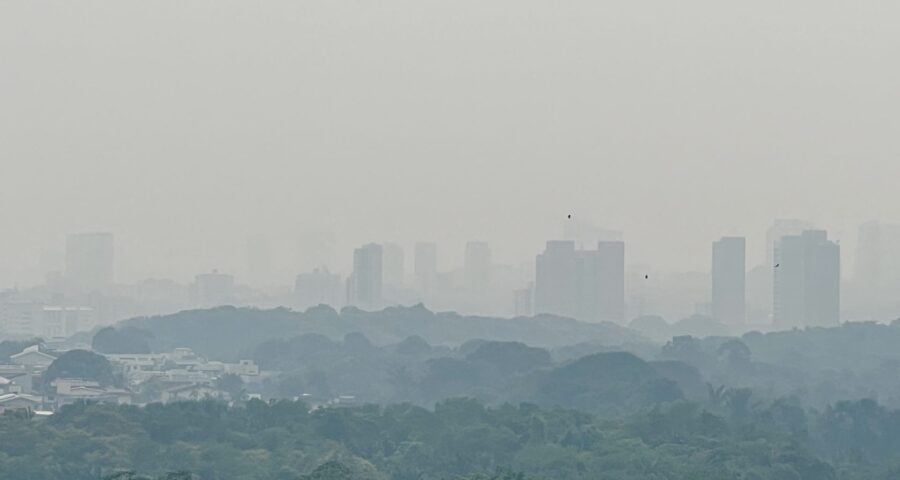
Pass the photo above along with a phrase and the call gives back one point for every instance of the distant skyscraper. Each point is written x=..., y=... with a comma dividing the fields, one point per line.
x=318, y=287
x=555, y=280
x=585, y=234
x=426, y=267
x=588, y=285
x=90, y=261
x=214, y=289
x=477, y=268
x=807, y=281
x=393, y=265
x=610, y=281
x=782, y=227
x=365, y=285
x=729, y=280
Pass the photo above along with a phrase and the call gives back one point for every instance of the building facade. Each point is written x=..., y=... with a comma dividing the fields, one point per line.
x=729, y=267
x=807, y=281
x=365, y=285
x=555, y=280
x=213, y=289
x=316, y=288
x=587, y=285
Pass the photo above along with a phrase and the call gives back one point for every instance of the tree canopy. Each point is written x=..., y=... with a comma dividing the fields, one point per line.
x=81, y=364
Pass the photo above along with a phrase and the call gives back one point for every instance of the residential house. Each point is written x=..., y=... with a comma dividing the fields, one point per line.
x=247, y=368
x=185, y=358
x=19, y=375
x=33, y=357
x=8, y=386
x=73, y=390
x=193, y=391
x=19, y=401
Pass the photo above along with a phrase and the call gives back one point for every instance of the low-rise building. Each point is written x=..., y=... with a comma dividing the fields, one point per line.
x=136, y=362
x=8, y=386
x=152, y=375
x=193, y=392
x=73, y=390
x=21, y=318
x=19, y=375
x=184, y=358
x=19, y=401
x=33, y=357
x=65, y=321
x=35, y=319
x=243, y=368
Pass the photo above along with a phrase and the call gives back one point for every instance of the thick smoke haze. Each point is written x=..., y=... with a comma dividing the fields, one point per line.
x=458, y=239
x=186, y=128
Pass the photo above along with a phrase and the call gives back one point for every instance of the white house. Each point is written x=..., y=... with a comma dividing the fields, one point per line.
x=72, y=390
x=8, y=386
x=19, y=401
x=244, y=368
x=33, y=357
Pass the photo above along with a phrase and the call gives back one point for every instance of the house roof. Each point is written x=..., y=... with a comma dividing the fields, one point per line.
x=17, y=396
x=118, y=391
x=83, y=391
x=12, y=371
x=34, y=349
x=75, y=382
x=189, y=386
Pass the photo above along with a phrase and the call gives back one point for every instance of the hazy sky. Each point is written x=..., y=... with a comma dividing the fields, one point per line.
x=186, y=126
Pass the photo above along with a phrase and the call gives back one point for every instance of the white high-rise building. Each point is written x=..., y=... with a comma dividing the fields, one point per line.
x=555, y=281
x=587, y=285
x=782, y=227
x=807, y=281
x=366, y=283
x=610, y=275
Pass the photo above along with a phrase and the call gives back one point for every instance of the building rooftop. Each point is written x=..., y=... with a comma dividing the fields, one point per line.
x=30, y=350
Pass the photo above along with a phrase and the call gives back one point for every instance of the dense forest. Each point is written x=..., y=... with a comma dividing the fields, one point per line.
x=366, y=354
x=588, y=401
x=458, y=438
x=223, y=332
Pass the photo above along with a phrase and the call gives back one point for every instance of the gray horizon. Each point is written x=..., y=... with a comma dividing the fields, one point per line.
x=187, y=128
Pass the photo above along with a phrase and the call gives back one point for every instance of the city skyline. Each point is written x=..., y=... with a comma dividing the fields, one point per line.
x=804, y=286
x=468, y=240
x=284, y=257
